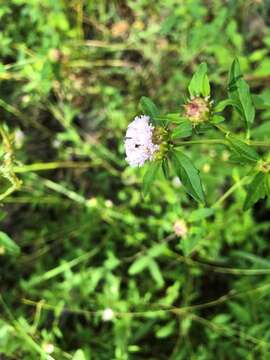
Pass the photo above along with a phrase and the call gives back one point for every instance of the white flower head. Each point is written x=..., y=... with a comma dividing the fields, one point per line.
x=107, y=314
x=139, y=144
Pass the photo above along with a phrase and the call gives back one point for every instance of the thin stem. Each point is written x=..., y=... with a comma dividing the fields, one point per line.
x=248, y=142
x=230, y=191
x=198, y=142
x=50, y=166
x=220, y=142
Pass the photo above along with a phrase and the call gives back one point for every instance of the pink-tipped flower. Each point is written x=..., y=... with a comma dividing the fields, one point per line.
x=180, y=228
x=139, y=143
x=197, y=110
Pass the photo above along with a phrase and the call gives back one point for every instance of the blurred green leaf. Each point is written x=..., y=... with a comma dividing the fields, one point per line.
x=139, y=265
x=255, y=190
x=150, y=175
x=79, y=355
x=166, y=330
x=166, y=168
x=8, y=245
x=188, y=244
x=201, y=214
x=267, y=184
x=156, y=273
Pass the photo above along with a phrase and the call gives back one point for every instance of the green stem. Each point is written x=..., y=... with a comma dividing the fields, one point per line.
x=219, y=142
x=230, y=191
x=203, y=142
x=50, y=166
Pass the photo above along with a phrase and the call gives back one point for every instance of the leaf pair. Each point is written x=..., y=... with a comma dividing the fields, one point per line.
x=199, y=84
x=185, y=170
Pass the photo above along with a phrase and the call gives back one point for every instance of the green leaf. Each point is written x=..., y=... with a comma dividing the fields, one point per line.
x=166, y=169
x=239, y=92
x=188, y=244
x=201, y=214
x=267, y=184
x=8, y=244
x=217, y=119
x=260, y=102
x=262, y=131
x=188, y=175
x=224, y=103
x=184, y=129
x=150, y=175
x=199, y=84
x=157, y=250
x=168, y=24
x=166, y=330
x=79, y=355
x=243, y=150
x=156, y=273
x=148, y=107
x=139, y=265
x=255, y=190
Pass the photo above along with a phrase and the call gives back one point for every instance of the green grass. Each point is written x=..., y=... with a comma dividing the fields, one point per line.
x=72, y=74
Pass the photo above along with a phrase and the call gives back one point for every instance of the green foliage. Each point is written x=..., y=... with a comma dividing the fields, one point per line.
x=188, y=175
x=150, y=175
x=256, y=190
x=243, y=150
x=8, y=245
x=239, y=92
x=199, y=84
x=90, y=269
x=149, y=108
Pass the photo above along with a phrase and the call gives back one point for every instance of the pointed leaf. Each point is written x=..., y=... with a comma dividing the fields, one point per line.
x=166, y=168
x=199, y=84
x=201, y=214
x=148, y=107
x=255, y=191
x=139, y=265
x=188, y=175
x=156, y=273
x=243, y=150
x=239, y=91
x=8, y=245
x=150, y=175
x=79, y=355
x=267, y=184
x=184, y=129
x=224, y=103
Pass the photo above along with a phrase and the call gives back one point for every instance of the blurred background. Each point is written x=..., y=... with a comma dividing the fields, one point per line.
x=90, y=269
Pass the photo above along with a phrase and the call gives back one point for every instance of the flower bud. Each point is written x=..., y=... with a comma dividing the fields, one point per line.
x=264, y=166
x=197, y=110
x=180, y=228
